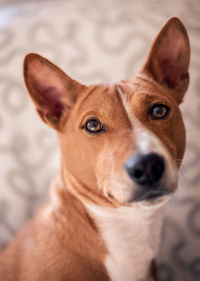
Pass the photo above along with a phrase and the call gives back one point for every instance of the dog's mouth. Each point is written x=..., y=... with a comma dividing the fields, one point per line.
x=151, y=195
x=155, y=203
x=153, y=199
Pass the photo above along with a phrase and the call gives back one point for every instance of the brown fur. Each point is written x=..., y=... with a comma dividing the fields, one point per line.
x=62, y=242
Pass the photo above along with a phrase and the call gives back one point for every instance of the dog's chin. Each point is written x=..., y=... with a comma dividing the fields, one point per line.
x=141, y=198
x=154, y=203
x=146, y=203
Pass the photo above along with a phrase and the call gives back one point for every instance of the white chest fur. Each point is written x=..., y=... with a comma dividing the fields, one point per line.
x=132, y=237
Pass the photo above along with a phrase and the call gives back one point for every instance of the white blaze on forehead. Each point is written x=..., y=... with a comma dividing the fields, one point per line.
x=126, y=104
x=145, y=140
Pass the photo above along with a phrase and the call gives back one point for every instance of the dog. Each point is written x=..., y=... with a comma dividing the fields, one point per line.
x=121, y=147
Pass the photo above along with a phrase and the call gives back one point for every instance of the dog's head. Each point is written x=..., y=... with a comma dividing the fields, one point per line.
x=120, y=143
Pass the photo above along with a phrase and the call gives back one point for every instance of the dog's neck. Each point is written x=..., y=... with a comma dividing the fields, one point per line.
x=131, y=235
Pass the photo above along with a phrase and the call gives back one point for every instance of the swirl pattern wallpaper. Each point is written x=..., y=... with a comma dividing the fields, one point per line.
x=92, y=41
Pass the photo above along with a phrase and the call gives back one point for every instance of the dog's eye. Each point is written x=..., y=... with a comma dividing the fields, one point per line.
x=93, y=126
x=159, y=111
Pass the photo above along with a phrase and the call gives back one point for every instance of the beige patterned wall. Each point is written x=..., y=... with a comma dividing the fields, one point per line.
x=92, y=41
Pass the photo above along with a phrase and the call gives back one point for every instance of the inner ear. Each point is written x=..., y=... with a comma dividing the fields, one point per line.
x=168, y=60
x=52, y=91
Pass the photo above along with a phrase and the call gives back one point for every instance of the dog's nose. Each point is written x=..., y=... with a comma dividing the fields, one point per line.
x=145, y=169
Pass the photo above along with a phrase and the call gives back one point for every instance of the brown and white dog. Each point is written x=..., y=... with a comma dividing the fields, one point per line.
x=121, y=146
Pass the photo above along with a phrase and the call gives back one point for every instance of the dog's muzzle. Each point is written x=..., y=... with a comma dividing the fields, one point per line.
x=147, y=170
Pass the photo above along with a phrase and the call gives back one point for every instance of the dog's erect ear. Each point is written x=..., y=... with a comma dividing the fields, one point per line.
x=168, y=60
x=52, y=91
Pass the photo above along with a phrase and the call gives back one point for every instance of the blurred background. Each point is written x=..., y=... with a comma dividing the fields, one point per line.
x=92, y=41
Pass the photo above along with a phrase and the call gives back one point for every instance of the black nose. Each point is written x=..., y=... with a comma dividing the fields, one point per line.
x=145, y=169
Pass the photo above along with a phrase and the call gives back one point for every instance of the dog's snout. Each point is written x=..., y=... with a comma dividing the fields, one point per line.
x=145, y=169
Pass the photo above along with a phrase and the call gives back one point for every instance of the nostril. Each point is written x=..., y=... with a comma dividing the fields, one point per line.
x=158, y=169
x=138, y=173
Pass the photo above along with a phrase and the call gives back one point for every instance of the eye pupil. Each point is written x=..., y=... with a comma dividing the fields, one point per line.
x=159, y=111
x=93, y=126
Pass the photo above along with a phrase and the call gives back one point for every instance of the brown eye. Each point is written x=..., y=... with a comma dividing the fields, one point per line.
x=93, y=126
x=159, y=111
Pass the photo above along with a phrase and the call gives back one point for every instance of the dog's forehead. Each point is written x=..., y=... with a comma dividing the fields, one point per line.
x=121, y=98
x=142, y=86
x=102, y=98
x=96, y=94
x=141, y=91
x=103, y=102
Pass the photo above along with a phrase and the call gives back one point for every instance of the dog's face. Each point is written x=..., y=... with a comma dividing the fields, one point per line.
x=121, y=143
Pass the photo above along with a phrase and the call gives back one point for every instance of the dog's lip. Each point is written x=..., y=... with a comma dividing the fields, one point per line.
x=154, y=204
x=151, y=195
